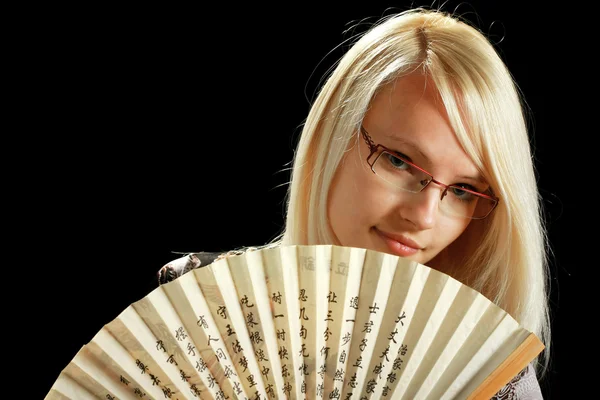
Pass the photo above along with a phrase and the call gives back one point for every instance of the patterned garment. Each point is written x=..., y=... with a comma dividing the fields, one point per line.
x=524, y=386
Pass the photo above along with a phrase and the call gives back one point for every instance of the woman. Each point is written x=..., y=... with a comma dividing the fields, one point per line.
x=417, y=146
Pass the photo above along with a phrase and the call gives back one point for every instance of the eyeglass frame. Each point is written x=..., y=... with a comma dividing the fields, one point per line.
x=374, y=149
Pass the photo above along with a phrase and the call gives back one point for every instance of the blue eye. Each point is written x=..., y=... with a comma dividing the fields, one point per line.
x=463, y=194
x=396, y=162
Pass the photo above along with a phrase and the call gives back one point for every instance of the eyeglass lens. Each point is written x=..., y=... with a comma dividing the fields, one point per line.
x=457, y=201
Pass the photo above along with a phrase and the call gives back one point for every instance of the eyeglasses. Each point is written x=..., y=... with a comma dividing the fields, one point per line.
x=403, y=174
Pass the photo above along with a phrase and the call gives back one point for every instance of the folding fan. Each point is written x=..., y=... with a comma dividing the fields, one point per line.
x=326, y=322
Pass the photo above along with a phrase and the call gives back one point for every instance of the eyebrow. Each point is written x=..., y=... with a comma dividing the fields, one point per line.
x=476, y=178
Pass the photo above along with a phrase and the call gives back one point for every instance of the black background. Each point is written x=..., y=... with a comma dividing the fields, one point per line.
x=161, y=129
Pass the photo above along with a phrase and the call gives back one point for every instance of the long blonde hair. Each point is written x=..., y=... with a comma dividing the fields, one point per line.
x=507, y=259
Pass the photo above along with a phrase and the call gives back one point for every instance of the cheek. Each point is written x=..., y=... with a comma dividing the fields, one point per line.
x=450, y=231
x=350, y=201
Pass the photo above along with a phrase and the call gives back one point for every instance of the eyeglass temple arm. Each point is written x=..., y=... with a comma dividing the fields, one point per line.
x=372, y=146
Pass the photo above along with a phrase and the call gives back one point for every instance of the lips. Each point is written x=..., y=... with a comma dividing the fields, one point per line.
x=398, y=244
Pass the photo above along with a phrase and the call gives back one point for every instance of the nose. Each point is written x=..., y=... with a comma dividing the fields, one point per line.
x=422, y=208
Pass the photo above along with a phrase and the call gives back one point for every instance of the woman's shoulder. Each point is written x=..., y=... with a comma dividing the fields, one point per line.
x=524, y=386
x=179, y=266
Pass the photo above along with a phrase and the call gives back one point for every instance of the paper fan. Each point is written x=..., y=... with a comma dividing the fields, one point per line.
x=296, y=322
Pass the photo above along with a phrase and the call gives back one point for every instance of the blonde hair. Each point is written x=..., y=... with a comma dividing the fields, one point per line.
x=507, y=259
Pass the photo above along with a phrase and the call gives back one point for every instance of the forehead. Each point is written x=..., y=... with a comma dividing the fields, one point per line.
x=410, y=99
x=409, y=113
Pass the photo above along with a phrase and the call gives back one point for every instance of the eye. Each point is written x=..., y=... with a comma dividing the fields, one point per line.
x=396, y=162
x=457, y=190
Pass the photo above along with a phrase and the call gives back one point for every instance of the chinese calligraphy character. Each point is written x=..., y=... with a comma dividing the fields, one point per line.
x=191, y=349
x=283, y=352
x=195, y=391
x=171, y=359
x=322, y=370
x=229, y=372
x=265, y=372
x=385, y=353
x=352, y=383
x=371, y=386
x=331, y=297
x=167, y=392
x=281, y=334
x=346, y=338
x=201, y=365
x=303, y=314
x=250, y=320
x=244, y=301
x=260, y=355
x=251, y=380
x=308, y=263
x=335, y=394
x=270, y=391
x=277, y=297
x=400, y=318
x=303, y=332
x=403, y=349
x=230, y=330
x=202, y=322
x=220, y=354
x=211, y=381
x=180, y=334
x=320, y=388
x=303, y=351
x=244, y=363
x=392, y=334
x=255, y=337
x=221, y=395
x=342, y=268
x=304, y=368
x=303, y=295
x=391, y=377
x=373, y=309
x=184, y=377
x=377, y=370
x=237, y=388
x=141, y=366
x=363, y=344
x=237, y=347
x=287, y=389
x=397, y=363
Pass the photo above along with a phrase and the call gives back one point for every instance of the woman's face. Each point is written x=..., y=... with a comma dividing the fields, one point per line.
x=408, y=117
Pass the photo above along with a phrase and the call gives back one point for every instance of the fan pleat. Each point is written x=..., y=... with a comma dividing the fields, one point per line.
x=497, y=346
x=464, y=311
x=66, y=388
